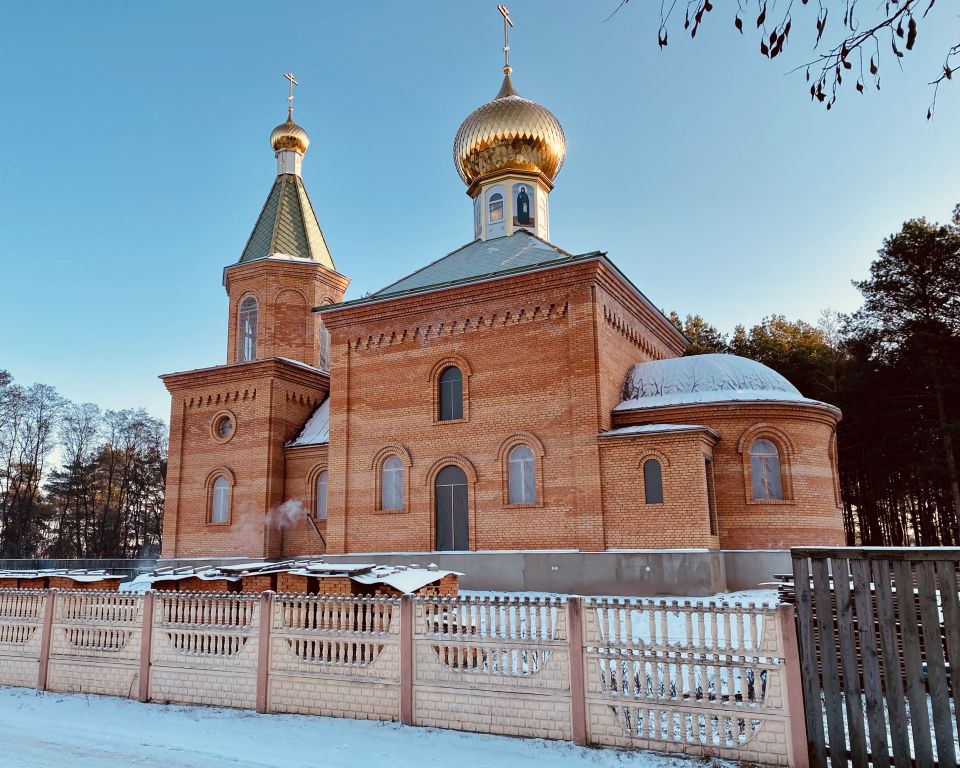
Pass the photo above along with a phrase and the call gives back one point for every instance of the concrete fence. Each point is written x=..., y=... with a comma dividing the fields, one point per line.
x=700, y=679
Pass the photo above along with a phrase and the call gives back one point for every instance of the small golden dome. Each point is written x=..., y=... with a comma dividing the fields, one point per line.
x=289, y=135
x=509, y=132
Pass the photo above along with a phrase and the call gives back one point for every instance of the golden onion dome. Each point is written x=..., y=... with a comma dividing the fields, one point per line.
x=510, y=132
x=289, y=135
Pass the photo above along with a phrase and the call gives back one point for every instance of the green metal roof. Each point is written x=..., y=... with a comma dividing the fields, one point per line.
x=287, y=226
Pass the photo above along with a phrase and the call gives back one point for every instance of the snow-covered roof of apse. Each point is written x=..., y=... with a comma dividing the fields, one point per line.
x=705, y=379
x=317, y=429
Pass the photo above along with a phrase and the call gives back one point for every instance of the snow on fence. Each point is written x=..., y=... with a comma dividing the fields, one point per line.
x=707, y=678
x=694, y=678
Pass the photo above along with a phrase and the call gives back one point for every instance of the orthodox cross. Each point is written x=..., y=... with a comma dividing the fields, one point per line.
x=293, y=82
x=507, y=23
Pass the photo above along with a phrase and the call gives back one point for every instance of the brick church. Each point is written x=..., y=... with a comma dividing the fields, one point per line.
x=509, y=395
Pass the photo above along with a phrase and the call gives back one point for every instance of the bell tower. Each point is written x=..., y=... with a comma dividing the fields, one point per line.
x=508, y=152
x=285, y=269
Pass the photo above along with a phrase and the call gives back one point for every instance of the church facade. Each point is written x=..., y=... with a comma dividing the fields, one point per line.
x=510, y=395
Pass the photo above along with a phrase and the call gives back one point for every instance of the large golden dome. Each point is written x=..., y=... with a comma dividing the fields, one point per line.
x=289, y=135
x=509, y=133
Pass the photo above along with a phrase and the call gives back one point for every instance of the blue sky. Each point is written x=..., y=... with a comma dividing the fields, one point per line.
x=135, y=161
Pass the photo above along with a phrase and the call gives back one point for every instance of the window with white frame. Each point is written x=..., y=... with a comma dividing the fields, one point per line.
x=495, y=206
x=247, y=330
x=220, y=500
x=521, y=476
x=321, y=491
x=391, y=484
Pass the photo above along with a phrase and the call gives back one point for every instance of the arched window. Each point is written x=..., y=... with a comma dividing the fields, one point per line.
x=495, y=207
x=652, y=482
x=451, y=394
x=220, y=500
x=522, y=476
x=391, y=487
x=765, y=470
x=321, y=507
x=247, y=330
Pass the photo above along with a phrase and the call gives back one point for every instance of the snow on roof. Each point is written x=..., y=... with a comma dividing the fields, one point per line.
x=705, y=379
x=654, y=429
x=317, y=429
x=406, y=579
x=80, y=575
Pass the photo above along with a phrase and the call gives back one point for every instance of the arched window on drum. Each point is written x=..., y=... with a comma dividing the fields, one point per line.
x=765, y=471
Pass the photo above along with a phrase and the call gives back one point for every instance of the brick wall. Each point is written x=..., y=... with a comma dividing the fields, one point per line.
x=683, y=518
x=809, y=515
x=619, y=673
x=303, y=463
x=269, y=400
x=526, y=347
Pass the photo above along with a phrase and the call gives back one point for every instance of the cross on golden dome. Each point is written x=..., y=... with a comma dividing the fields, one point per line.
x=507, y=23
x=293, y=82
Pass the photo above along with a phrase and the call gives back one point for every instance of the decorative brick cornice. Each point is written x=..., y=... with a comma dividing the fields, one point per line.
x=634, y=335
x=423, y=333
x=221, y=377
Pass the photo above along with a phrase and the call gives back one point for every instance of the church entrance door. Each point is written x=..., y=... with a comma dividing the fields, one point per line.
x=450, y=491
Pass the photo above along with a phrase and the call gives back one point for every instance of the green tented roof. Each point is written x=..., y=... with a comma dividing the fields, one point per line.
x=288, y=226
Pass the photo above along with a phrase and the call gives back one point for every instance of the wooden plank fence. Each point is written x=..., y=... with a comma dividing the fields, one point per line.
x=878, y=631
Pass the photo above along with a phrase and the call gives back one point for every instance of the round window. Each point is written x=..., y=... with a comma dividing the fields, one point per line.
x=224, y=427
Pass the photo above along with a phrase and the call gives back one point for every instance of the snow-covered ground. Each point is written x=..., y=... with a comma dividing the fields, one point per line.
x=51, y=730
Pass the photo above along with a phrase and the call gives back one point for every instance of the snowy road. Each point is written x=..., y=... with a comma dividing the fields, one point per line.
x=53, y=730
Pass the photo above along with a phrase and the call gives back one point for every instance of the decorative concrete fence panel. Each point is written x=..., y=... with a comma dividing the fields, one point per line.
x=492, y=665
x=335, y=656
x=702, y=679
x=95, y=643
x=21, y=636
x=205, y=649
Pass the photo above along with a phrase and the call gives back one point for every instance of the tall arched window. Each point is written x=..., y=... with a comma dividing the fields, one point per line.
x=391, y=486
x=522, y=476
x=765, y=470
x=451, y=394
x=247, y=330
x=220, y=500
x=652, y=482
x=496, y=208
x=321, y=490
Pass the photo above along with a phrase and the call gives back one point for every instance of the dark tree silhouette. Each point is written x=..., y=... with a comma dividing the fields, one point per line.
x=852, y=39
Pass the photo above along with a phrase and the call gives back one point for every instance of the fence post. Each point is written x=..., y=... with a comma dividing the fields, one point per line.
x=263, y=650
x=793, y=683
x=578, y=693
x=45, y=638
x=406, y=659
x=146, y=645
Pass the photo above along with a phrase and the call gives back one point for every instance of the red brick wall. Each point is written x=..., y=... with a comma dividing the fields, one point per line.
x=8, y=583
x=286, y=294
x=258, y=583
x=302, y=465
x=682, y=520
x=811, y=515
x=269, y=401
x=529, y=342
